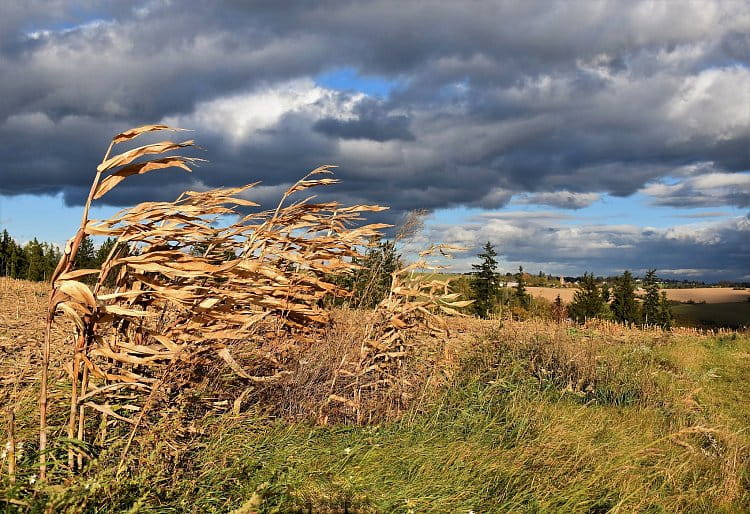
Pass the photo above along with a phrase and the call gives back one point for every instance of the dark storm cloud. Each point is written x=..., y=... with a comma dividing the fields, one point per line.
x=370, y=122
x=560, y=199
x=556, y=101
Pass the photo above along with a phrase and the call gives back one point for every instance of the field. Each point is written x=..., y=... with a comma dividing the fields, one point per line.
x=500, y=417
x=711, y=315
x=698, y=294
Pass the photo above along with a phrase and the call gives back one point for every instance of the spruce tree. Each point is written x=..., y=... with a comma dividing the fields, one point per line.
x=606, y=294
x=558, y=309
x=624, y=305
x=33, y=261
x=485, y=285
x=103, y=251
x=17, y=262
x=521, y=295
x=5, y=245
x=372, y=282
x=665, y=312
x=52, y=256
x=651, y=300
x=86, y=256
x=35, y=265
x=587, y=301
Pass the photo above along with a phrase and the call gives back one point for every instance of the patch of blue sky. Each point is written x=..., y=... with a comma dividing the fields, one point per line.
x=638, y=210
x=453, y=215
x=635, y=209
x=349, y=79
x=45, y=217
x=77, y=16
x=669, y=180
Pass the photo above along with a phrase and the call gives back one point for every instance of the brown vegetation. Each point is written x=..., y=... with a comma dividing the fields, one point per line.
x=191, y=286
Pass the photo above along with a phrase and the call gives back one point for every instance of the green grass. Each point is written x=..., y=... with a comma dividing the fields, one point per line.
x=711, y=315
x=539, y=425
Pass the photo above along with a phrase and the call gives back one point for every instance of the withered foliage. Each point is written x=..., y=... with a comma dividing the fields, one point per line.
x=414, y=306
x=195, y=276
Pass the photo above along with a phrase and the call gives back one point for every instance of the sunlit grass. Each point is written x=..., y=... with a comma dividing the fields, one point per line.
x=662, y=428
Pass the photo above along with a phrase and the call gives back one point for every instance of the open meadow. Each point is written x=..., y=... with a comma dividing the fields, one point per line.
x=499, y=416
x=712, y=315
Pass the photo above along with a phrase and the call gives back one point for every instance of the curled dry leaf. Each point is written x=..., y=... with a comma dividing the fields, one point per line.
x=135, y=153
x=139, y=169
x=137, y=131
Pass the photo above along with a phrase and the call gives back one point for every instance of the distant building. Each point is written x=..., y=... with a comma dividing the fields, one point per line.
x=562, y=280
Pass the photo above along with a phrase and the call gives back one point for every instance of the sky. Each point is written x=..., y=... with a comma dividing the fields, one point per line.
x=574, y=135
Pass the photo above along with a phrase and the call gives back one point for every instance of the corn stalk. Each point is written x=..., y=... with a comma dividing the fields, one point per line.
x=191, y=277
x=415, y=306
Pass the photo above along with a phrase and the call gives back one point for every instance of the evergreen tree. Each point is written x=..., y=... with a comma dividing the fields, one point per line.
x=651, y=300
x=606, y=294
x=35, y=265
x=587, y=301
x=665, y=312
x=624, y=305
x=5, y=245
x=558, y=309
x=372, y=282
x=52, y=256
x=103, y=251
x=86, y=256
x=485, y=284
x=33, y=261
x=521, y=295
x=16, y=261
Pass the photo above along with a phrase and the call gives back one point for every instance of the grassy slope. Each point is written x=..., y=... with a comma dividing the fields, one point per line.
x=575, y=422
x=713, y=314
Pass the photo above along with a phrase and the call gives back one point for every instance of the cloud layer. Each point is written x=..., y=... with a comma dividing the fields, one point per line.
x=547, y=241
x=549, y=103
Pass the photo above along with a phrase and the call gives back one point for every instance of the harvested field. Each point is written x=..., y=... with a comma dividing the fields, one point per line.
x=550, y=293
x=698, y=294
x=22, y=311
x=709, y=295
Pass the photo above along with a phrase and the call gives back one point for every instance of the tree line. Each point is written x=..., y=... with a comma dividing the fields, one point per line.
x=620, y=304
x=36, y=260
x=591, y=300
x=371, y=282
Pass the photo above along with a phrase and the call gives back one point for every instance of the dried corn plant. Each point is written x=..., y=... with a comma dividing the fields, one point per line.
x=414, y=307
x=190, y=277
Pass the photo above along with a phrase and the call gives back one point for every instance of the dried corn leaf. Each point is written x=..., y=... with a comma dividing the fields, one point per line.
x=105, y=409
x=78, y=291
x=131, y=155
x=137, y=131
x=139, y=169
